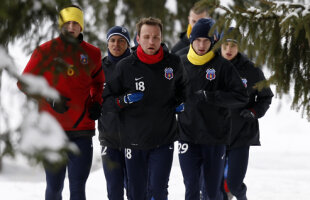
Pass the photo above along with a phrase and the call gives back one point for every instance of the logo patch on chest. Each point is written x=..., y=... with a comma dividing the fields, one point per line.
x=84, y=59
x=245, y=82
x=168, y=73
x=210, y=74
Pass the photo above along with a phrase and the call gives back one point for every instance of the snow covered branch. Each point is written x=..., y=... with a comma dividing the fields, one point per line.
x=42, y=137
x=38, y=136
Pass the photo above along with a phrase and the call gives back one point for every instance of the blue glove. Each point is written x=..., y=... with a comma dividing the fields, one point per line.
x=129, y=98
x=180, y=108
x=133, y=97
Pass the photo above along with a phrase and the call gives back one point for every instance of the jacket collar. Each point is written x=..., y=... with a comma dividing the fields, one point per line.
x=71, y=40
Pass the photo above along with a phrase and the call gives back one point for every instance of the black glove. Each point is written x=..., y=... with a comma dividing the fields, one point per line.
x=129, y=98
x=201, y=95
x=94, y=111
x=247, y=114
x=60, y=105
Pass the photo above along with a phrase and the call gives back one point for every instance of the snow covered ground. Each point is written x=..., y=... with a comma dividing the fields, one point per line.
x=278, y=170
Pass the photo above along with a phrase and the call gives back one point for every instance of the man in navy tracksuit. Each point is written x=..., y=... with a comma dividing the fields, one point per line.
x=214, y=88
x=245, y=127
x=112, y=153
x=147, y=87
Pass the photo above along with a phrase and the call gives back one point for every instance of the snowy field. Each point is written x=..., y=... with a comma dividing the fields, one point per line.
x=278, y=170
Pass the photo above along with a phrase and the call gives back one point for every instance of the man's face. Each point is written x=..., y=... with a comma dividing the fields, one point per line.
x=229, y=50
x=193, y=18
x=150, y=38
x=117, y=45
x=71, y=27
x=201, y=45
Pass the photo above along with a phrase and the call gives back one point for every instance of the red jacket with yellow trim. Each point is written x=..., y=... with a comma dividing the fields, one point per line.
x=74, y=70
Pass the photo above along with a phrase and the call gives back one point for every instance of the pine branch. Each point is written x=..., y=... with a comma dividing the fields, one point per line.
x=276, y=34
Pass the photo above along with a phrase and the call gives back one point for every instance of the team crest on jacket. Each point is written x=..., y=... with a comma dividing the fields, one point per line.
x=245, y=82
x=210, y=74
x=84, y=59
x=168, y=73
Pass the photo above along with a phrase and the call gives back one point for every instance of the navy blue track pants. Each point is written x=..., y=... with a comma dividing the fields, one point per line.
x=148, y=172
x=113, y=161
x=78, y=171
x=206, y=160
x=237, y=159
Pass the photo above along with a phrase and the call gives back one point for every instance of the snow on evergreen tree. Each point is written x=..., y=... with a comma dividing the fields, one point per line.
x=275, y=34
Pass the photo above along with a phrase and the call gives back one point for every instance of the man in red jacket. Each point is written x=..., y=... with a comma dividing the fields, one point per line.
x=73, y=67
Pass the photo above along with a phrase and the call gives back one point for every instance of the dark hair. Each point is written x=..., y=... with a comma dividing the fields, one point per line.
x=149, y=21
x=232, y=34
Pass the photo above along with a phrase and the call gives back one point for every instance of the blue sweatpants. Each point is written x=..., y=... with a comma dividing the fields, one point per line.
x=206, y=160
x=148, y=172
x=78, y=171
x=237, y=167
x=202, y=186
x=113, y=161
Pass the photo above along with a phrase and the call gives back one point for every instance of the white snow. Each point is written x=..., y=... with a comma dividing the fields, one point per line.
x=37, y=5
x=48, y=132
x=6, y=59
x=293, y=14
x=253, y=9
x=41, y=132
x=172, y=6
x=37, y=85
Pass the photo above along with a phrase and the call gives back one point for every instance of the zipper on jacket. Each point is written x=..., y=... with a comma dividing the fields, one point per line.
x=83, y=113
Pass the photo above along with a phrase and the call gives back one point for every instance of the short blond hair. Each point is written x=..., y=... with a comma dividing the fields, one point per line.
x=198, y=9
x=149, y=21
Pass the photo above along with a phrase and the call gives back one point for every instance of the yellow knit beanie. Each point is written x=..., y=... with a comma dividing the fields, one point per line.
x=71, y=14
